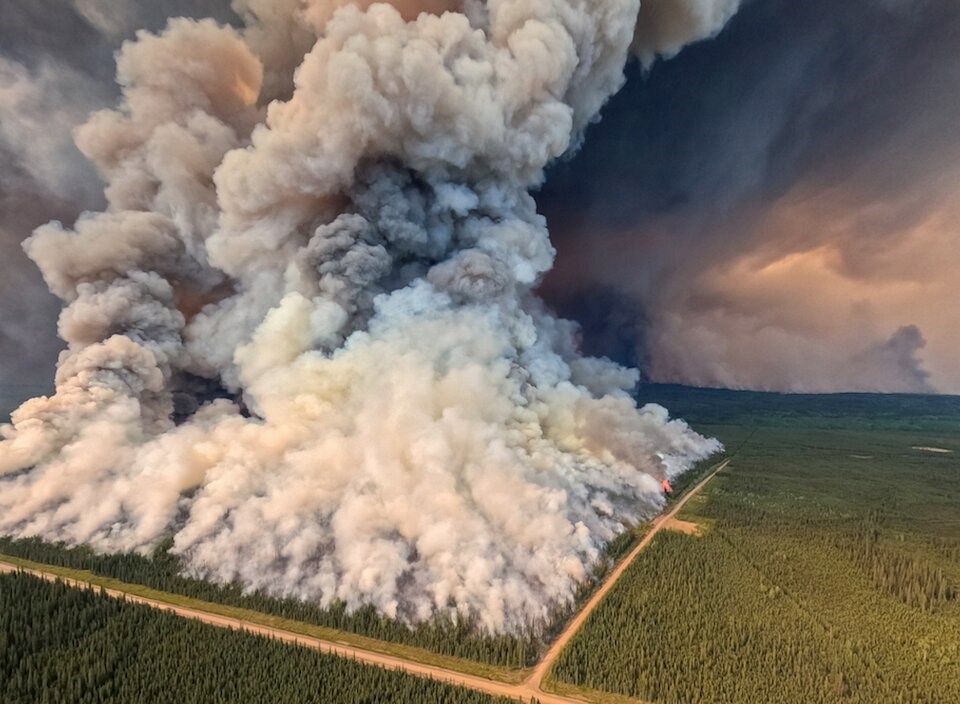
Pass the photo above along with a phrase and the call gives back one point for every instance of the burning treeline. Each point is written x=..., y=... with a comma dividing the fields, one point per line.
x=303, y=339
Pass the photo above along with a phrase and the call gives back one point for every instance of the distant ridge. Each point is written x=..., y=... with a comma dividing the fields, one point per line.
x=701, y=405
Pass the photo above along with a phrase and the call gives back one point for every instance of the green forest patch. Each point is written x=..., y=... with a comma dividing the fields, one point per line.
x=822, y=576
x=71, y=646
x=413, y=654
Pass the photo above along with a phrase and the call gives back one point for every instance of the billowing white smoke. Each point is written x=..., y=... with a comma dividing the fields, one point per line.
x=666, y=26
x=409, y=427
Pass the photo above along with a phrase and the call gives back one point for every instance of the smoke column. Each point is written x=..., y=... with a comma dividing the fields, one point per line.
x=302, y=338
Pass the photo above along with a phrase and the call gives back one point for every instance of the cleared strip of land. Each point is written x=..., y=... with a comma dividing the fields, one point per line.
x=530, y=688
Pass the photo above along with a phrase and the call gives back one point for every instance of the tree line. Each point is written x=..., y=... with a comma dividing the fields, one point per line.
x=458, y=637
x=162, y=571
x=61, y=645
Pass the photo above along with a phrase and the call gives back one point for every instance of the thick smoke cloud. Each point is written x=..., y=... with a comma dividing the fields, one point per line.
x=43, y=176
x=56, y=66
x=666, y=26
x=788, y=203
x=302, y=336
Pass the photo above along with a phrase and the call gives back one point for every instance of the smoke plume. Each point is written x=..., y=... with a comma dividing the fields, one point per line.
x=777, y=204
x=666, y=26
x=302, y=337
x=56, y=67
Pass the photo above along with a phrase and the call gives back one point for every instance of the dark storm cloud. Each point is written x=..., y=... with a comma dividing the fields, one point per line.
x=788, y=88
x=612, y=323
x=821, y=135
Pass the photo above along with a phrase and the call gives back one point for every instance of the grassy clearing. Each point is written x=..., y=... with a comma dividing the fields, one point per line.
x=255, y=617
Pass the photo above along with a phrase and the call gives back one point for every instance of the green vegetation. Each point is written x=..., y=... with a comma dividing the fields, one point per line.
x=457, y=645
x=420, y=655
x=704, y=408
x=60, y=645
x=161, y=572
x=914, y=581
x=828, y=571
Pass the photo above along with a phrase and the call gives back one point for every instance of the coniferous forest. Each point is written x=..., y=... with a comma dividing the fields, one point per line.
x=827, y=571
x=162, y=571
x=61, y=645
x=460, y=638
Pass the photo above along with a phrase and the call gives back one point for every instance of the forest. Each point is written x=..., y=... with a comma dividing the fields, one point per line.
x=759, y=409
x=61, y=645
x=827, y=572
x=458, y=638
x=162, y=570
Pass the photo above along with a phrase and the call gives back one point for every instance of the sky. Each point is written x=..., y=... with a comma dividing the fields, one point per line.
x=774, y=208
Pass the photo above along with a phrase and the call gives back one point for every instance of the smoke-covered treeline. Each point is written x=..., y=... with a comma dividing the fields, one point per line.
x=162, y=571
x=302, y=336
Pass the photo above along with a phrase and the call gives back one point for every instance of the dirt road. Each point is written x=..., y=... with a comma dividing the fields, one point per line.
x=525, y=691
x=365, y=656
x=536, y=679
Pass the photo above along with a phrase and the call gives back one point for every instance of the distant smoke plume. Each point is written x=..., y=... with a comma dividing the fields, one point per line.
x=332, y=294
x=43, y=175
x=899, y=353
x=789, y=201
